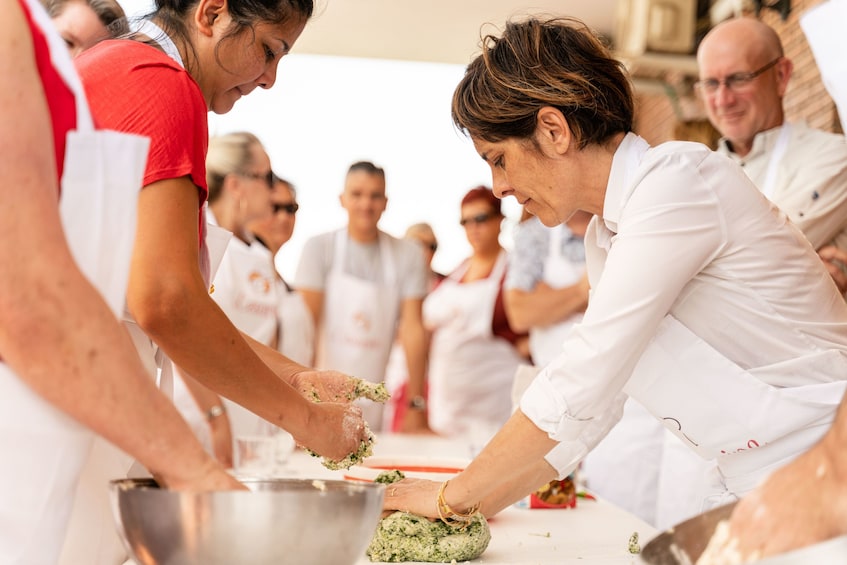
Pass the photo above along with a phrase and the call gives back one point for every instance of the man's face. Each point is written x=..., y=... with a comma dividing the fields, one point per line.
x=364, y=199
x=740, y=109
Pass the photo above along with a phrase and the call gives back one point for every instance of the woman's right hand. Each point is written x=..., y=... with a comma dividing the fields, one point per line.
x=335, y=430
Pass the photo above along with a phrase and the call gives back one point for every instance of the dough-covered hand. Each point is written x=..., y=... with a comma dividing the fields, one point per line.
x=325, y=386
x=803, y=503
x=332, y=386
x=336, y=431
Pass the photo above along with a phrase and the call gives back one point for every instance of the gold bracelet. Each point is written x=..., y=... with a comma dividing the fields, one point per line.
x=451, y=517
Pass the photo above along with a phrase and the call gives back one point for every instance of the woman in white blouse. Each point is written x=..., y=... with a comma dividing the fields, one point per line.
x=707, y=306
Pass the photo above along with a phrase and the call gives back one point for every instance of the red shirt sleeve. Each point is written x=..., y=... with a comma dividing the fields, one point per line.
x=135, y=88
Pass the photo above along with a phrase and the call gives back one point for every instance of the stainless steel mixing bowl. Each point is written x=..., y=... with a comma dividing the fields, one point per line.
x=684, y=543
x=280, y=521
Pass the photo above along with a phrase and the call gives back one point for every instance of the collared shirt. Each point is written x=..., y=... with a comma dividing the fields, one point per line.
x=811, y=179
x=530, y=249
x=684, y=231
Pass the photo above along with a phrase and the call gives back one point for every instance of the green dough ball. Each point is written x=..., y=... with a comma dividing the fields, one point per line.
x=408, y=537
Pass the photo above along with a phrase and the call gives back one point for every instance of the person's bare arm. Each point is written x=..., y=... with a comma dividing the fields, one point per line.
x=413, y=339
x=509, y=492
x=56, y=332
x=507, y=469
x=326, y=386
x=803, y=503
x=169, y=300
x=212, y=407
x=314, y=300
x=544, y=305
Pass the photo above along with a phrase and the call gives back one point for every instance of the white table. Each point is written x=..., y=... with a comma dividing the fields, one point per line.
x=593, y=533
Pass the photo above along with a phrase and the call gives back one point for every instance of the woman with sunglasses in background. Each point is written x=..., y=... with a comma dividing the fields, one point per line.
x=474, y=352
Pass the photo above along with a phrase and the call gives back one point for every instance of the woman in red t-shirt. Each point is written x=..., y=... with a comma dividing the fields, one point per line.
x=189, y=59
x=67, y=367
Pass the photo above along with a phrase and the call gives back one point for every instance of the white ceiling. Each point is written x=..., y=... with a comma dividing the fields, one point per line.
x=443, y=31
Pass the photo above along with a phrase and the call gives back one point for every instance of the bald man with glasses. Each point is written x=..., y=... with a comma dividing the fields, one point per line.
x=743, y=78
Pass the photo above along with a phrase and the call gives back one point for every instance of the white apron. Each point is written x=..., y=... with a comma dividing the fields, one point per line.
x=470, y=369
x=296, y=326
x=726, y=413
x=245, y=289
x=359, y=322
x=635, y=443
x=102, y=175
x=545, y=342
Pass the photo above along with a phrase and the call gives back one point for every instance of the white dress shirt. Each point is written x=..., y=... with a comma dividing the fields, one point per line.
x=684, y=232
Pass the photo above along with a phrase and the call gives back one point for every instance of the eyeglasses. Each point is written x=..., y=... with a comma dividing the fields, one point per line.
x=478, y=219
x=735, y=82
x=290, y=208
x=267, y=177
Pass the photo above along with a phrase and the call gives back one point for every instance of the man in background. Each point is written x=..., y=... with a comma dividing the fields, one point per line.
x=362, y=284
x=743, y=78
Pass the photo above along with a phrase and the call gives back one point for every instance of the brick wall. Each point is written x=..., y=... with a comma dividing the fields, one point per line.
x=806, y=97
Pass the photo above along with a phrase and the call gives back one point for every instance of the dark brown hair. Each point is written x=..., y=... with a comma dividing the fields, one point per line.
x=536, y=63
x=171, y=15
x=366, y=167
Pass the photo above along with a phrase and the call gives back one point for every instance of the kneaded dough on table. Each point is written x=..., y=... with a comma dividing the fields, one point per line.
x=408, y=537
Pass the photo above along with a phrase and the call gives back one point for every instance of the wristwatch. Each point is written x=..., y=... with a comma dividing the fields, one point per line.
x=417, y=403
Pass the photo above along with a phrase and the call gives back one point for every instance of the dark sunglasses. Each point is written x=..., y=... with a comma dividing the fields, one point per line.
x=290, y=208
x=478, y=219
